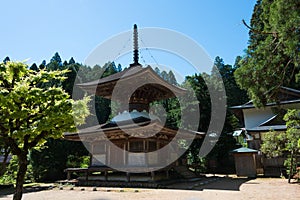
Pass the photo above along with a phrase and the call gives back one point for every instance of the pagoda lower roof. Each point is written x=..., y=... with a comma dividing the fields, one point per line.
x=153, y=129
x=133, y=77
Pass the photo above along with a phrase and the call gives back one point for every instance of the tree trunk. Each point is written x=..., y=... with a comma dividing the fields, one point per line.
x=21, y=176
x=291, y=167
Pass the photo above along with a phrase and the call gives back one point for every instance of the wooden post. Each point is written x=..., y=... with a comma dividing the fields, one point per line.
x=124, y=154
x=128, y=176
x=157, y=147
x=146, y=151
x=107, y=159
x=152, y=175
x=91, y=155
x=87, y=176
x=291, y=166
x=167, y=173
x=105, y=175
x=68, y=175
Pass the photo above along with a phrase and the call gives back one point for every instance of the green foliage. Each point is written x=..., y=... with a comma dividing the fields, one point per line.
x=33, y=108
x=49, y=162
x=234, y=96
x=34, y=67
x=78, y=161
x=291, y=165
x=274, y=144
x=10, y=175
x=4, y=152
x=6, y=59
x=30, y=112
x=273, y=55
x=172, y=111
x=292, y=118
x=55, y=62
x=109, y=69
x=198, y=85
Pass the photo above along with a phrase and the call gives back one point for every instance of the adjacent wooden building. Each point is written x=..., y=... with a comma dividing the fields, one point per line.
x=258, y=121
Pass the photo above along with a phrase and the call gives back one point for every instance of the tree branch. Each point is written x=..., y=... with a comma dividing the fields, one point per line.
x=37, y=139
x=257, y=31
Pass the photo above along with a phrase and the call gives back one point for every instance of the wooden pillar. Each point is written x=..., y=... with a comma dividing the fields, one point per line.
x=167, y=174
x=153, y=176
x=124, y=154
x=107, y=152
x=146, y=151
x=157, y=147
x=127, y=154
x=87, y=176
x=105, y=175
x=68, y=175
x=91, y=154
x=128, y=176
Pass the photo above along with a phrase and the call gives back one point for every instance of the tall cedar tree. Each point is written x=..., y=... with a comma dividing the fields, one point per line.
x=273, y=55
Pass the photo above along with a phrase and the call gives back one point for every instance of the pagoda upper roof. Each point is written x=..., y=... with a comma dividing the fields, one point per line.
x=154, y=87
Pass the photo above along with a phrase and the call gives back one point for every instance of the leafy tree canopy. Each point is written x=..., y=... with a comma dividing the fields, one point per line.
x=32, y=109
x=273, y=55
x=277, y=144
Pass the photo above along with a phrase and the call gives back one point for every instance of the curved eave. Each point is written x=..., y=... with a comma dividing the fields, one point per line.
x=267, y=128
x=132, y=77
x=249, y=106
x=136, y=130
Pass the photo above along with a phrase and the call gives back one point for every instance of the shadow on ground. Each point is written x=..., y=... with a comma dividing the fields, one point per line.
x=204, y=183
x=211, y=183
x=10, y=190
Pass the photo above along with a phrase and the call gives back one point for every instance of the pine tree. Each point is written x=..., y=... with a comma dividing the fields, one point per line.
x=55, y=62
x=43, y=64
x=71, y=61
x=6, y=59
x=34, y=67
x=172, y=78
x=119, y=69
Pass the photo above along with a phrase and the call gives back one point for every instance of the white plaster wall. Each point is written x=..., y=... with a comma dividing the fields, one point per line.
x=254, y=117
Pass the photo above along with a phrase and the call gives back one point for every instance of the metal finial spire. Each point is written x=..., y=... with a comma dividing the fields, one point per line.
x=135, y=47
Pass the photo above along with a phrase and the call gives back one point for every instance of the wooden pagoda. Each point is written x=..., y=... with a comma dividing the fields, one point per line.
x=134, y=141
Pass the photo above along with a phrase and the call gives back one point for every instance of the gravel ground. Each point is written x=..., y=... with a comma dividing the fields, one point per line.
x=222, y=188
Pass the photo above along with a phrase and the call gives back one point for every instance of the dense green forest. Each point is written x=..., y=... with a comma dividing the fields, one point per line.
x=48, y=163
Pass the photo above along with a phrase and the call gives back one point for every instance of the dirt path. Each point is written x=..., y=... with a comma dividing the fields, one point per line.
x=219, y=189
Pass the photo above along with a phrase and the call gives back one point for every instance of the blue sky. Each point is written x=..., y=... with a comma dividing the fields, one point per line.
x=37, y=29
